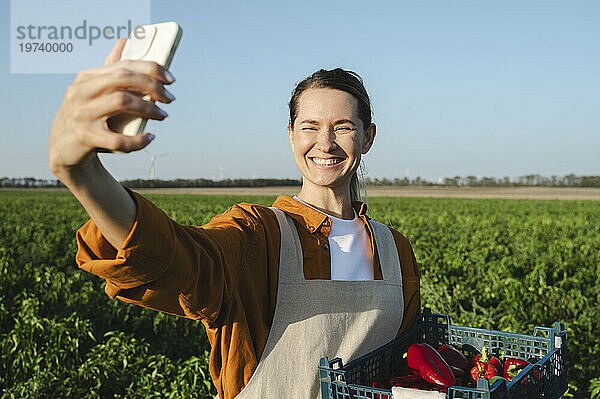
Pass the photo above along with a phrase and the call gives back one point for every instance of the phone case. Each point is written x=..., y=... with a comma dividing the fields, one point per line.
x=158, y=43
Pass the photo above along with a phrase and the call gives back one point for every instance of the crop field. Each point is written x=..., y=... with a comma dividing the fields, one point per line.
x=503, y=264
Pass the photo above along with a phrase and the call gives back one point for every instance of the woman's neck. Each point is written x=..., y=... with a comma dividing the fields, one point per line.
x=330, y=200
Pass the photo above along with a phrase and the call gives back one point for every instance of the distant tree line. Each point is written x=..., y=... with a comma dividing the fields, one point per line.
x=140, y=183
x=570, y=180
x=29, y=182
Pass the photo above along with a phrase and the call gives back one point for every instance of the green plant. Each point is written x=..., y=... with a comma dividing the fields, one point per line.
x=502, y=264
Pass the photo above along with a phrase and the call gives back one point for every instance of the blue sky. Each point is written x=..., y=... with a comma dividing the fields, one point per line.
x=494, y=88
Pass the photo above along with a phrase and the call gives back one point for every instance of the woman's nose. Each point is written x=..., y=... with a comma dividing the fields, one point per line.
x=326, y=140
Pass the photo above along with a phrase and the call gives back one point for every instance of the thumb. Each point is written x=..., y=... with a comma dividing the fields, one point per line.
x=115, y=53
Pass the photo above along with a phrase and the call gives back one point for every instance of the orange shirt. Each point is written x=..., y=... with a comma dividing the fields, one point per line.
x=224, y=273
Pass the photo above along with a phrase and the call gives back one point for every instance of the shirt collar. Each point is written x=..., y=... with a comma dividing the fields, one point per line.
x=309, y=217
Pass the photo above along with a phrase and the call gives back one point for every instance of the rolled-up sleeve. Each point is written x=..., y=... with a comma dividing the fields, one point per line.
x=190, y=271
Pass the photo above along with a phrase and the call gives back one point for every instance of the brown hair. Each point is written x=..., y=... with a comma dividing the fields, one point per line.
x=349, y=82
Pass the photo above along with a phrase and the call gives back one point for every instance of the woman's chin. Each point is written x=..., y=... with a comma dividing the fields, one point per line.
x=327, y=181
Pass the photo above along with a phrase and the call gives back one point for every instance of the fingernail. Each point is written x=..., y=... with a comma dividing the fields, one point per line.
x=169, y=95
x=163, y=112
x=150, y=137
x=170, y=78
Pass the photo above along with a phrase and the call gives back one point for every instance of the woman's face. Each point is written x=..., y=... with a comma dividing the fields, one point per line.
x=328, y=137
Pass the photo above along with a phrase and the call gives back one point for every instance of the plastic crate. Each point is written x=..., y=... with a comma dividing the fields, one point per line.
x=547, y=378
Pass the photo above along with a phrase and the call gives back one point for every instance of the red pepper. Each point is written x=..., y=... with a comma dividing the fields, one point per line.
x=454, y=357
x=431, y=365
x=483, y=370
x=458, y=373
x=513, y=366
x=493, y=360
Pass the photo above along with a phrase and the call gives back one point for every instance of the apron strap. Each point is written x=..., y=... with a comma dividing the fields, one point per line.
x=291, y=249
x=388, y=253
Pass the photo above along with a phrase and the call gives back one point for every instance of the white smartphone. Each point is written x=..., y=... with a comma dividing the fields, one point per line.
x=158, y=43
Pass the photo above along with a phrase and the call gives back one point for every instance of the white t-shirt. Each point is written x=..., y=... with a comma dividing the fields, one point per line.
x=350, y=248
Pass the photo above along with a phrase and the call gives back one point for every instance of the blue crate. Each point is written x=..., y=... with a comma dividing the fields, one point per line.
x=547, y=378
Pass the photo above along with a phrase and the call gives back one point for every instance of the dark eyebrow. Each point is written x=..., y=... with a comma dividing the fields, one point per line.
x=338, y=122
x=311, y=121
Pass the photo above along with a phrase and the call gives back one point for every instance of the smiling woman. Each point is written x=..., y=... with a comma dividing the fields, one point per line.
x=335, y=129
x=276, y=287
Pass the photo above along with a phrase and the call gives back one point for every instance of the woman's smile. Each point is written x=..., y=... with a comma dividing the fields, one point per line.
x=326, y=163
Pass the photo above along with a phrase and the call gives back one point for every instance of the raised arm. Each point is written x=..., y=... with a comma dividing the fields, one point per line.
x=145, y=257
x=82, y=124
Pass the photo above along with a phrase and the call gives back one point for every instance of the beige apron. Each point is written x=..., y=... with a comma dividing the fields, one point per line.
x=317, y=318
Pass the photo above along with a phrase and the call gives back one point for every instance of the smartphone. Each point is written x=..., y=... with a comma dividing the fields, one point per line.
x=158, y=43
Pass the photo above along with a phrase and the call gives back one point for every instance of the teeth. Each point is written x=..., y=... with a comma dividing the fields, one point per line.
x=321, y=161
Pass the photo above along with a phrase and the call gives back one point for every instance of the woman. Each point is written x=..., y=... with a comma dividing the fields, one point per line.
x=276, y=288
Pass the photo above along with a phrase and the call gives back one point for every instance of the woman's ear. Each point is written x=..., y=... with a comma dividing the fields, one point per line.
x=369, y=137
x=291, y=136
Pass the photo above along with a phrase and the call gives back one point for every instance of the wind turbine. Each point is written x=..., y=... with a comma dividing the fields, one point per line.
x=221, y=169
x=153, y=158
